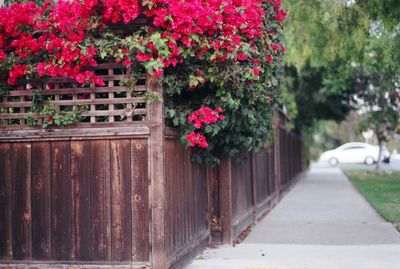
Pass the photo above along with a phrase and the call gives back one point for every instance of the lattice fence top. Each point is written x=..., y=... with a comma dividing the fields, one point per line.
x=112, y=105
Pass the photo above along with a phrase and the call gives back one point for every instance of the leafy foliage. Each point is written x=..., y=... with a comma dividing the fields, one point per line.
x=320, y=32
x=341, y=53
x=53, y=117
x=211, y=55
x=319, y=93
x=379, y=80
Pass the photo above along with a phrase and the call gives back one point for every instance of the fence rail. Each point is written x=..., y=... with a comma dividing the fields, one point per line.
x=113, y=103
x=123, y=193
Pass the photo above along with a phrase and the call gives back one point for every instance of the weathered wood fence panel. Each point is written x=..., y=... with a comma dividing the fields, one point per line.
x=251, y=188
x=74, y=200
x=242, y=195
x=264, y=177
x=118, y=189
x=187, y=204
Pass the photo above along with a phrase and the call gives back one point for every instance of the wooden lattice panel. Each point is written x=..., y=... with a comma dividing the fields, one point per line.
x=111, y=105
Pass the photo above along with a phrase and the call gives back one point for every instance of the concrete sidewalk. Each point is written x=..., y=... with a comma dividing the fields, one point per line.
x=322, y=223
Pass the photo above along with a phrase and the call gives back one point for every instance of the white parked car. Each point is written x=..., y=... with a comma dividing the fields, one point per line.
x=354, y=152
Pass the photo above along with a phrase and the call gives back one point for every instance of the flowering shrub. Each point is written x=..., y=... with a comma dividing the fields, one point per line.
x=219, y=60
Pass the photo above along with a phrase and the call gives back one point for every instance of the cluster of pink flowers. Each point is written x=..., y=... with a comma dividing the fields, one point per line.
x=196, y=139
x=117, y=11
x=62, y=43
x=201, y=118
x=54, y=39
x=220, y=29
x=229, y=21
x=204, y=116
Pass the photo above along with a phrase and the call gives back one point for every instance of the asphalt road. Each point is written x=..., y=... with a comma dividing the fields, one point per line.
x=383, y=166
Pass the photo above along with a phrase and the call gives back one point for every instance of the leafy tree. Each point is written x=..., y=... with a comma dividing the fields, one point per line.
x=379, y=80
x=323, y=38
x=320, y=32
x=343, y=55
x=320, y=93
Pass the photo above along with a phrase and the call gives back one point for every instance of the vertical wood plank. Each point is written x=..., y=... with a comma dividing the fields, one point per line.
x=5, y=201
x=176, y=204
x=111, y=94
x=157, y=177
x=60, y=200
x=225, y=174
x=169, y=197
x=100, y=217
x=41, y=222
x=181, y=221
x=121, y=220
x=277, y=156
x=210, y=209
x=254, y=180
x=249, y=179
x=236, y=194
x=140, y=200
x=202, y=183
x=80, y=191
x=195, y=206
x=189, y=197
x=272, y=167
x=22, y=213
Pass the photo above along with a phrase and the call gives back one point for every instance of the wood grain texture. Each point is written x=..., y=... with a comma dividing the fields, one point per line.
x=157, y=178
x=271, y=169
x=277, y=155
x=140, y=200
x=5, y=201
x=102, y=130
x=242, y=190
x=225, y=173
x=100, y=197
x=80, y=194
x=60, y=153
x=187, y=218
x=100, y=217
x=260, y=176
x=41, y=221
x=22, y=213
x=168, y=209
x=121, y=220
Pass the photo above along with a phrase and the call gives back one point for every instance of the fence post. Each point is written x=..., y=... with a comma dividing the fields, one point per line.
x=253, y=183
x=225, y=177
x=277, y=152
x=157, y=179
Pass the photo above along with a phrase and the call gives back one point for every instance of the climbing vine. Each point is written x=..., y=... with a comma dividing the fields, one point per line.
x=219, y=60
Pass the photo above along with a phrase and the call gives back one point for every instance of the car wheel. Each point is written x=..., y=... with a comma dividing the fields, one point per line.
x=369, y=160
x=333, y=161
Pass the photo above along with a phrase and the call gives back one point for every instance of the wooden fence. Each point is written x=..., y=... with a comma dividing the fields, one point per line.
x=117, y=189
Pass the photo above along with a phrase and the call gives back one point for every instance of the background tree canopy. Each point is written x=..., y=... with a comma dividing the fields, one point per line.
x=343, y=55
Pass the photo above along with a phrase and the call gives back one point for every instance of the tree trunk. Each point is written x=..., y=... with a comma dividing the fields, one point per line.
x=378, y=162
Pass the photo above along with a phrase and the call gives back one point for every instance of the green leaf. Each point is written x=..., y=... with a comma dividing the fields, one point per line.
x=208, y=129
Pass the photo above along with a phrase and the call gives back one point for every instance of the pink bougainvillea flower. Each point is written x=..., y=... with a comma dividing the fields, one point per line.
x=256, y=71
x=196, y=139
x=281, y=15
x=212, y=30
x=204, y=116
